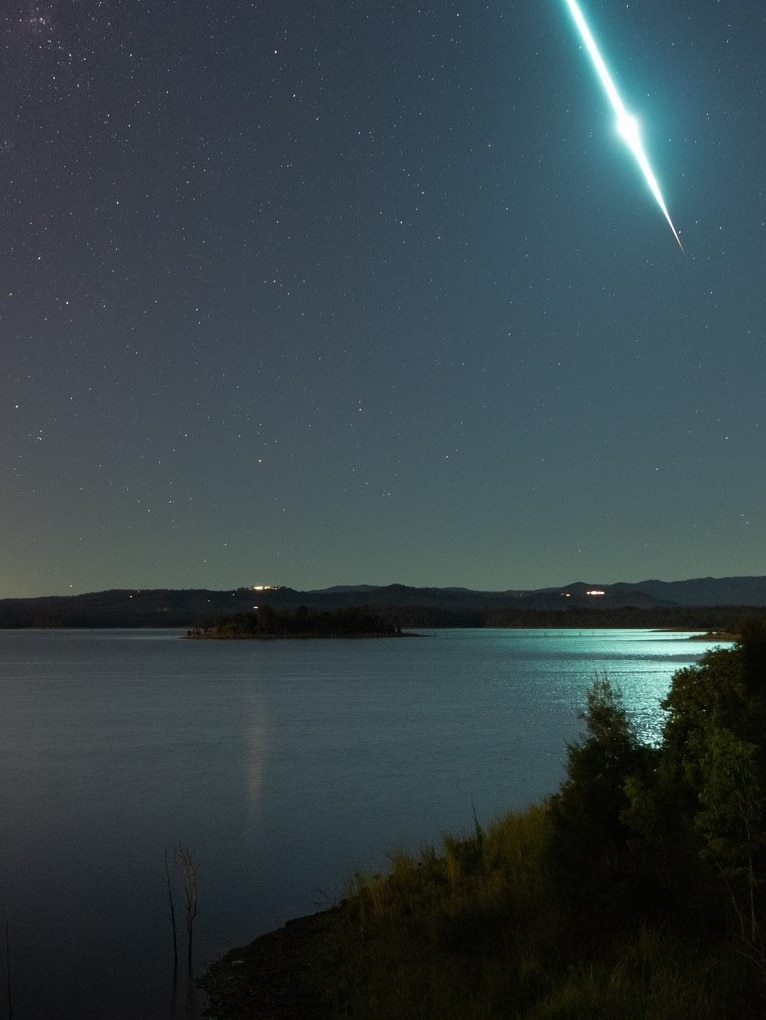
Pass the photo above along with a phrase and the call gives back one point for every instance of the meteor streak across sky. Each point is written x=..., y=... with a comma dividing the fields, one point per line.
x=627, y=125
x=300, y=299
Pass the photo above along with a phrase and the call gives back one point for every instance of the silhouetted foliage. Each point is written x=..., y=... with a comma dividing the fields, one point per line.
x=591, y=846
x=266, y=622
x=653, y=831
x=410, y=607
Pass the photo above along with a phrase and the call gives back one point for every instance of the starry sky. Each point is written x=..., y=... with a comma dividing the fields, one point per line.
x=315, y=293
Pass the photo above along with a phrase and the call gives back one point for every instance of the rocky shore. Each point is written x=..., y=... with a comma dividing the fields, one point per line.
x=278, y=976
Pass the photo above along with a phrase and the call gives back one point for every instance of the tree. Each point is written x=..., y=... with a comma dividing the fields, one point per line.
x=708, y=791
x=592, y=839
x=185, y=868
x=267, y=620
x=730, y=825
x=171, y=906
x=189, y=878
x=709, y=694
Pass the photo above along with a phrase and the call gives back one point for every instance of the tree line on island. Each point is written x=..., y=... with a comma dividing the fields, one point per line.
x=368, y=621
x=637, y=891
x=265, y=622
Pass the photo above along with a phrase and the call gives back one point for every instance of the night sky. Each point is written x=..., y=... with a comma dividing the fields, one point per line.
x=315, y=293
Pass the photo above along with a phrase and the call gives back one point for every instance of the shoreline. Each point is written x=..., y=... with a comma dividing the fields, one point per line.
x=278, y=975
x=191, y=636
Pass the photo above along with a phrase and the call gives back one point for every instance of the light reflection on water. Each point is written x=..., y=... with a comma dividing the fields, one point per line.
x=287, y=766
x=554, y=668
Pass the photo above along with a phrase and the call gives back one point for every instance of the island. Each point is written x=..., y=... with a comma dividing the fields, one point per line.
x=266, y=623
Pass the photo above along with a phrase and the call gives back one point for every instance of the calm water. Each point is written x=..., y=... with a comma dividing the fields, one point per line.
x=286, y=766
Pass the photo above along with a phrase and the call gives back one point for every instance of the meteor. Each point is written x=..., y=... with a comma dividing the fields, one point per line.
x=627, y=125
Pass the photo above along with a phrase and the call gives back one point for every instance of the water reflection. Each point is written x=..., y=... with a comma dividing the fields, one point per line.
x=559, y=666
x=256, y=750
x=287, y=766
x=186, y=1000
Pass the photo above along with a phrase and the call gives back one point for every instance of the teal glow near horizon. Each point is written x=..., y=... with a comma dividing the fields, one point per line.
x=627, y=124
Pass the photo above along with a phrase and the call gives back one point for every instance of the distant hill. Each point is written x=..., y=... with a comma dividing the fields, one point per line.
x=578, y=604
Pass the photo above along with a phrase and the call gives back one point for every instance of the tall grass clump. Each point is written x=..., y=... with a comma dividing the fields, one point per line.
x=441, y=933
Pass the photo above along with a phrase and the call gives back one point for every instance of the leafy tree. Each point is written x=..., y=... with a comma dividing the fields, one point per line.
x=752, y=649
x=592, y=842
x=699, y=817
x=730, y=826
x=705, y=696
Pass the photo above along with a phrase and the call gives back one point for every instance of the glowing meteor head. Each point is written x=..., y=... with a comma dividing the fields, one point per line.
x=627, y=125
x=630, y=129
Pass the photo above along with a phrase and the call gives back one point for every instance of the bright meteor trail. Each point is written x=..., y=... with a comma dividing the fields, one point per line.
x=627, y=125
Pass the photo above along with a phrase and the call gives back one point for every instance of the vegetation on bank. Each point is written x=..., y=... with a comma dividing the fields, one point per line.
x=636, y=891
x=439, y=608
x=266, y=622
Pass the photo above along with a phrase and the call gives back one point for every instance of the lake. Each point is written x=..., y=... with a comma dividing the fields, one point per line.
x=286, y=766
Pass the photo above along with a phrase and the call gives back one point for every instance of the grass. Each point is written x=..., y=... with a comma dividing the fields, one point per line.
x=479, y=930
